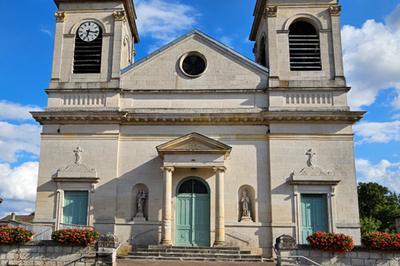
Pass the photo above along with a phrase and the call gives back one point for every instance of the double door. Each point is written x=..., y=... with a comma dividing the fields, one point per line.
x=193, y=220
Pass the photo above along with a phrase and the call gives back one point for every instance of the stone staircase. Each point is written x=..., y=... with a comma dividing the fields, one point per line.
x=227, y=254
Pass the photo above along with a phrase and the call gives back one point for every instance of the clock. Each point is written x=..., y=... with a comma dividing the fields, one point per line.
x=89, y=31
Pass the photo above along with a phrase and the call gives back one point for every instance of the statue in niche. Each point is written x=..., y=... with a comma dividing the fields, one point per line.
x=246, y=207
x=140, y=203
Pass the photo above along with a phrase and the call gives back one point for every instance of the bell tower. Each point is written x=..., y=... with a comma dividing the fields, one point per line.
x=299, y=41
x=94, y=40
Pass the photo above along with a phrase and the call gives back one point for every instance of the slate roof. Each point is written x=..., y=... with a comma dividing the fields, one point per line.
x=19, y=218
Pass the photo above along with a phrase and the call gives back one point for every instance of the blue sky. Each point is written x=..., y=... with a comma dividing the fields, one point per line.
x=371, y=43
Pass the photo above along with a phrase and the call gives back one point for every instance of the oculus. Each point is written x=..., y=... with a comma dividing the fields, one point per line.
x=193, y=64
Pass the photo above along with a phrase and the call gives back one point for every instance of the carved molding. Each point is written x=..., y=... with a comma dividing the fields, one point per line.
x=60, y=16
x=312, y=174
x=261, y=118
x=335, y=10
x=77, y=171
x=119, y=16
x=271, y=11
x=168, y=169
x=220, y=169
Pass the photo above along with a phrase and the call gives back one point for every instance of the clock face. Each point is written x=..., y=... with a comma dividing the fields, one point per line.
x=89, y=31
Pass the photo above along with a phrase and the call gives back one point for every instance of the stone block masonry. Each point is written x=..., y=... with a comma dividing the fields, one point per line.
x=357, y=257
x=46, y=253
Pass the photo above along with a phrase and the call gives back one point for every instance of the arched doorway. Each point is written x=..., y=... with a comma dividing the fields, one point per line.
x=192, y=213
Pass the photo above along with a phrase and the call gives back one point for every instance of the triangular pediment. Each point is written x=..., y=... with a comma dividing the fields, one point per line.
x=225, y=68
x=194, y=143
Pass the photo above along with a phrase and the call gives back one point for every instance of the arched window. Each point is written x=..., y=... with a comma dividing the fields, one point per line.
x=88, y=48
x=262, y=56
x=193, y=186
x=304, y=45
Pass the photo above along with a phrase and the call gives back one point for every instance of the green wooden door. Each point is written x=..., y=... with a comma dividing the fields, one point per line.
x=193, y=214
x=75, y=209
x=314, y=215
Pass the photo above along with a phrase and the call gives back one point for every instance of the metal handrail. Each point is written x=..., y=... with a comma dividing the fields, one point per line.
x=279, y=258
x=78, y=259
x=303, y=257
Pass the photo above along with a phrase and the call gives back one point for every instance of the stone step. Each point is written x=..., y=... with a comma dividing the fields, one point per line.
x=200, y=251
x=202, y=255
x=193, y=258
x=152, y=247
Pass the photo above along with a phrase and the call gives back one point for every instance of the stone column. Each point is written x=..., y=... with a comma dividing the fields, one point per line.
x=220, y=207
x=166, y=238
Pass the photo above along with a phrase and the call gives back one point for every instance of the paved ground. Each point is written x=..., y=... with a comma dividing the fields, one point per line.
x=190, y=263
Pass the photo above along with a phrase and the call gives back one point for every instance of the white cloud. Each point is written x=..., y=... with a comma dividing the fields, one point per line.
x=18, y=138
x=17, y=206
x=46, y=31
x=15, y=111
x=164, y=20
x=385, y=173
x=371, y=59
x=378, y=132
x=19, y=183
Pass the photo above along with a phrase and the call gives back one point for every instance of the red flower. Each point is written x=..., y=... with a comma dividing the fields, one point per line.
x=331, y=242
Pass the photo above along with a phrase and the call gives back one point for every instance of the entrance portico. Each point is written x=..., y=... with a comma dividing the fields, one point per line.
x=193, y=151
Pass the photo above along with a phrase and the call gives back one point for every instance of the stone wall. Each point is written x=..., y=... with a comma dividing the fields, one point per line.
x=46, y=253
x=355, y=258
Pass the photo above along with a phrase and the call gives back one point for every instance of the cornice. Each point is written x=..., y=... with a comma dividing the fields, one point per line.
x=260, y=118
x=258, y=15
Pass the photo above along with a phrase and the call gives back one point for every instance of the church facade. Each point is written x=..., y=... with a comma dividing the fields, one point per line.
x=196, y=145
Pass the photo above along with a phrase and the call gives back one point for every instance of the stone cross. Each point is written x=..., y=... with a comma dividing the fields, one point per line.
x=78, y=155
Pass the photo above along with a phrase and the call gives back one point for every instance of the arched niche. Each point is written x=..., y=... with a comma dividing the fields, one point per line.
x=247, y=191
x=140, y=195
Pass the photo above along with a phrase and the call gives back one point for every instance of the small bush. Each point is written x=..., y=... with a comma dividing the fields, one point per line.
x=381, y=241
x=331, y=242
x=17, y=235
x=76, y=237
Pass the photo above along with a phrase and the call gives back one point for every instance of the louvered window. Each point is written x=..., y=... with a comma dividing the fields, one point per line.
x=87, y=56
x=304, y=45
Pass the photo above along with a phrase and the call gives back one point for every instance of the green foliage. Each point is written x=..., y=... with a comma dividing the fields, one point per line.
x=378, y=207
x=369, y=224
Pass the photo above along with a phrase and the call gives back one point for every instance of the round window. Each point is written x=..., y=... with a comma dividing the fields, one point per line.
x=193, y=64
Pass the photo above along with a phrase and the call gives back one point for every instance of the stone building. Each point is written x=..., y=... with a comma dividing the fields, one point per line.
x=196, y=145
